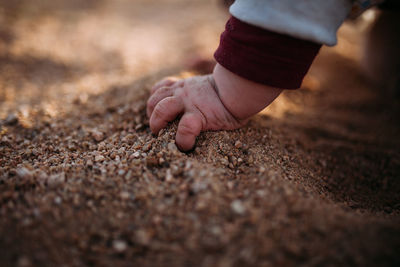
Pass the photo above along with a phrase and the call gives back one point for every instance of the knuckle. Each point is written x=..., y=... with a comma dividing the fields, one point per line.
x=160, y=110
x=157, y=113
x=164, y=89
x=187, y=129
x=166, y=81
x=151, y=102
x=180, y=92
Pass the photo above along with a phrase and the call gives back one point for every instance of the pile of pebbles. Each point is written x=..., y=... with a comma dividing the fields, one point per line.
x=95, y=187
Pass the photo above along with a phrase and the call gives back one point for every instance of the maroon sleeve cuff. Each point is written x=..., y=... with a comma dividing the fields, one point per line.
x=263, y=56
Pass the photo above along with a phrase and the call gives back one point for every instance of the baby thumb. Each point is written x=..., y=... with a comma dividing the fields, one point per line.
x=189, y=128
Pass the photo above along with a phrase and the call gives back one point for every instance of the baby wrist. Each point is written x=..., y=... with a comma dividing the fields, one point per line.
x=241, y=97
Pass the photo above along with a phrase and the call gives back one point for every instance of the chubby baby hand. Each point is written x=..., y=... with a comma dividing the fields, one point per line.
x=197, y=101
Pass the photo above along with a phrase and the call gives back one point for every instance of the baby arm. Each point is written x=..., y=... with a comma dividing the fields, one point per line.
x=254, y=65
x=220, y=101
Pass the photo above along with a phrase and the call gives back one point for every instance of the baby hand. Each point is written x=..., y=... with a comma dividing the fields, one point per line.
x=199, y=103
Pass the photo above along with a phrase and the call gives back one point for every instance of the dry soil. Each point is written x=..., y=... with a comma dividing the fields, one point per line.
x=311, y=181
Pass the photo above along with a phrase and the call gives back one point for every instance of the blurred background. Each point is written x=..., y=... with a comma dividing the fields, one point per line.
x=55, y=52
x=58, y=50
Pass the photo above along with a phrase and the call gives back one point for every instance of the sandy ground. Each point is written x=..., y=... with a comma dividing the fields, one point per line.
x=311, y=181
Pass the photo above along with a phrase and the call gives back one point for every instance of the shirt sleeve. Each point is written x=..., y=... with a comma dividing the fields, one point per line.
x=265, y=56
x=312, y=20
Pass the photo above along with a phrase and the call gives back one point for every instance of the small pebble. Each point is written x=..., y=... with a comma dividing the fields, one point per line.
x=168, y=176
x=146, y=147
x=124, y=195
x=24, y=261
x=97, y=135
x=224, y=161
x=142, y=237
x=136, y=154
x=56, y=179
x=172, y=147
x=238, y=144
x=58, y=200
x=139, y=126
x=24, y=173
x=99, y=158
x=238, y=207
x=119, y=245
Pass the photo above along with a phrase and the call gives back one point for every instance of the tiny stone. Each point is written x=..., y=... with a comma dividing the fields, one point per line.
x=97, y=135
x=172, y=147
x=230, y=185
x=119, y=245
x=128, y=139
x=42, y=177
x=238, y=144
x=121, y=150
x=216, y=230
x=142, y=237
x=101, y=146
x=191, y=173
x=136, y=108
x=199, y=186
x=224, y=161
x=168, y=176
x=261, y=193
x=24, y=261
x=139, y=126
x=138, y=119
x=323, y=163
x=237, y=207
x=146, y=147
x=24, y=173
x=99, y=158
x=56, y=179
x=57, y=200
x=188, y=165
x=128, y=175
x=124, y=195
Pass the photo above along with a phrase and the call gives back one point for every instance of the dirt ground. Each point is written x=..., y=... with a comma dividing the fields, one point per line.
x=311, y=181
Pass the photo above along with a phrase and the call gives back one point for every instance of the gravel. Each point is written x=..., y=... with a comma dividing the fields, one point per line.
x=83, y=182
